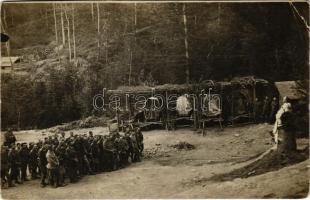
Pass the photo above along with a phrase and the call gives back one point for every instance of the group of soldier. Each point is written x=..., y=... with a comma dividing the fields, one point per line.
x=57, y=158
x=265, y=110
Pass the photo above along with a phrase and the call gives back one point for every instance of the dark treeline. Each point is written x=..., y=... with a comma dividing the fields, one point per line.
x=144, y=44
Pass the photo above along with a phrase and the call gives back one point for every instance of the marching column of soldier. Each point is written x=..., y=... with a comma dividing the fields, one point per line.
x=57, y=158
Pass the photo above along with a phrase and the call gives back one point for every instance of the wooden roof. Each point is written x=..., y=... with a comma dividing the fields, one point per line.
x=290, y=89
x=186, y=87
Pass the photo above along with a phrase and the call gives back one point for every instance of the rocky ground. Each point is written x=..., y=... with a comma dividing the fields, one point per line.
x=183, y=164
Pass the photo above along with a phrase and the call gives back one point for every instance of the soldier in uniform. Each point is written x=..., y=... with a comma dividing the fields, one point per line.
x=94, y=148
x=55, y=140
x=52, y=167
x=108, y=150
x=123, y=147
x=87, y=156
x=100, y=153
x=61, y=155
x=129, y=143
x=9, y=138
x=273, y=109
x=135, y=148
x=71, y=162
x=90, y=134
x=5, y=178
x=266, y=109
x=33, y=161
x=139, y=137
x=24, y=160
x=13, y=163
x=71, y=137
x=257, y=110
x=79, y=151
x=62, y=135
x=42, y=161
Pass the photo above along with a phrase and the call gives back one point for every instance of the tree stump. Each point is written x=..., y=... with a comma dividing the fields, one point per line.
x=286, y=133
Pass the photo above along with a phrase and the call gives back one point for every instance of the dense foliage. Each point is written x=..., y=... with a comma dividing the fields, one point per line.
x=144, y=44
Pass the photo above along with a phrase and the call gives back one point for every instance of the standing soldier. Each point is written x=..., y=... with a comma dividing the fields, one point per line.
x=24, y=160
x=13, y=162
x=42, y=163
x=122, y=148
x=90, y=134
x=52, y=167
x=95, y=154
x=9, y=138
x=87, y=155
x=266, y=109
x=62, y=135
x=71, y=135
x=61, y=155
x=5, y=179
x=135, y=148
x=33, y=161
x=72, y=163
x=18, y=162
x=108, y=150
x=257, y=111
x=273, y=109
x=139, y=137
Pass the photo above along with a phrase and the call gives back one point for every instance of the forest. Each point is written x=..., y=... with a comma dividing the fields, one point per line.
x=74, y=50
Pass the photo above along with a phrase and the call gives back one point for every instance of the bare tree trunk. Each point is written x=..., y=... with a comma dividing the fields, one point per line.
x=132, y=47
x=2, y=26
x=46, y=18
x=130, y=69
x=106, y=48
x=4, y=18
x=62, y=25
x=92, y=11
x=55, y=20
x=135, y=21
x=135, y=14
x=73, y=32
x=186, y=43
x=98, y=29
x=18, y=120
x=69, y=36
x=106, y=40
x=219, y=13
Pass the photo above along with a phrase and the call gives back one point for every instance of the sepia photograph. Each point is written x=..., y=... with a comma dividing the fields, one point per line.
x=154, y=99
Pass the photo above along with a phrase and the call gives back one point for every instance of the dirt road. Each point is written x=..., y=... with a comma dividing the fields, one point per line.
x=167, y=172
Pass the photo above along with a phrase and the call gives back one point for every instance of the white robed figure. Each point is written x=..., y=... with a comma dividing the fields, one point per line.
x=286, y=107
